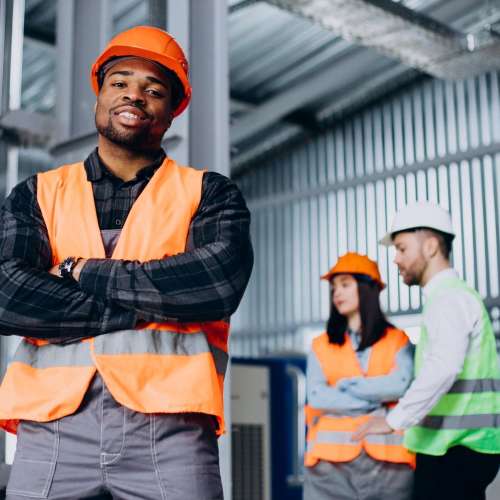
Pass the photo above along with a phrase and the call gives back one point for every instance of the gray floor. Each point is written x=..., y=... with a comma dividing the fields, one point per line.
x=493, y=491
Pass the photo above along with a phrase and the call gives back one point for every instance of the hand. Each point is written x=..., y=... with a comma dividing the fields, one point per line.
x=76, y=270
x=376, y=425
x=363, y=388
x=345, y=384
x=55, y=271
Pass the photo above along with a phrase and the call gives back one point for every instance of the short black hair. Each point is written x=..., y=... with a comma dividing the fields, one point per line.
x=445, y=240
x=176, y=87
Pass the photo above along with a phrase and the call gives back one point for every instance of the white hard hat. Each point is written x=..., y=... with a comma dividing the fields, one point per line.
x=421, y=214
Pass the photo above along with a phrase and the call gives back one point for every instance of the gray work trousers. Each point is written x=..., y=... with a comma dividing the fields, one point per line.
x=361, y=479
x=107, y=449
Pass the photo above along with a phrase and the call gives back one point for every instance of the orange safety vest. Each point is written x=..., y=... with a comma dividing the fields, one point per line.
x=329, y=436
x=169, y=367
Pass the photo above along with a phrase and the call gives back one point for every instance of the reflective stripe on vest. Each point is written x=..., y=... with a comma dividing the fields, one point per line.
x=461, y=422
x=344, y=437
x=469, y=413
x=157, y=368
x=160, y=342
x=54, y=355
x=123, y=342
x=475, y=385
x=329, y=437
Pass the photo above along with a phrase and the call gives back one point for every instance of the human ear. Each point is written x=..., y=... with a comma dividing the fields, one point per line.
x=430, y=247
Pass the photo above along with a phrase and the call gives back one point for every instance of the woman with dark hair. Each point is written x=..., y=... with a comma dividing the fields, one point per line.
x=358, y=368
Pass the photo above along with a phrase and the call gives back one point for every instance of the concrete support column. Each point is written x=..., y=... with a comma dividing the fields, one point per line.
x=4, y=341
x=209, y=132
x=83, y=29
x=209, y=120
x=177, y=137
x=11, y=45
x=5, y=29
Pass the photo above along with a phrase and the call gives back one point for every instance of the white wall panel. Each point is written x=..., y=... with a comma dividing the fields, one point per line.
x=338, y=191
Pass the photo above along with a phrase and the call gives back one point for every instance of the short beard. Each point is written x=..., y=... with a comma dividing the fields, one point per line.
x=138, y=142
x=415, y=278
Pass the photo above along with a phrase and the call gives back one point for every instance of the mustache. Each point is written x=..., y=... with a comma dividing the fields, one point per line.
x=132, y=105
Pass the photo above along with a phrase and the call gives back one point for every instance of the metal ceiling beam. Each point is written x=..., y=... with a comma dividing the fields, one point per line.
x=40, y=20
x=299, y=96
x=28, y=127
x=365, y=91
x=298, y=121
x=282, y=136
x=357, y=94
x=242, y=4
x=238, y=106
x=263, y=117
x=396, y=31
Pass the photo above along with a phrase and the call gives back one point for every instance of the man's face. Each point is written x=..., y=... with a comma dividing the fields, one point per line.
x=134, y=105
x=410, y=257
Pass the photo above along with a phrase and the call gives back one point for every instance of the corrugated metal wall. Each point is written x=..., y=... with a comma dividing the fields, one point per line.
x=435, y=140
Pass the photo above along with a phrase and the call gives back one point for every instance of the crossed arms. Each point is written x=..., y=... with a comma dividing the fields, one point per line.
x=204, y=283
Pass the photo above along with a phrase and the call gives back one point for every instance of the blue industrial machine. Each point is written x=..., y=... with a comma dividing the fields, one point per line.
x=268, y=427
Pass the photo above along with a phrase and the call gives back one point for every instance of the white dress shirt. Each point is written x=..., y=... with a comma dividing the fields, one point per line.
x=452, y=321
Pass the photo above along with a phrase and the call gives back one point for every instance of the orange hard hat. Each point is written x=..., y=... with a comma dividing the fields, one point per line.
x=355, y=263
x=149, y=43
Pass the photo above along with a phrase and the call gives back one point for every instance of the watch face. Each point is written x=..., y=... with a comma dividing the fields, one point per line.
x=65, y=267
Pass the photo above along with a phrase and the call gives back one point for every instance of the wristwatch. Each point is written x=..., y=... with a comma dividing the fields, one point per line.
x=66, y=267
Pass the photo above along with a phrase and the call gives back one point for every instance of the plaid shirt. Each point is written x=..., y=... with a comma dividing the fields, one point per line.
x=204, y=283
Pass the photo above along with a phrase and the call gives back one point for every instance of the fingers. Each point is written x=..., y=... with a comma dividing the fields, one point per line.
x=361, y=432
x=346, y=383
x=54, y=271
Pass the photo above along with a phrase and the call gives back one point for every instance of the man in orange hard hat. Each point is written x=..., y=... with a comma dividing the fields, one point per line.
x=120, y=273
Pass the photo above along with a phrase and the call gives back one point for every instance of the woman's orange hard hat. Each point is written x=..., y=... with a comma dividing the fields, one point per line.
x=355, y=263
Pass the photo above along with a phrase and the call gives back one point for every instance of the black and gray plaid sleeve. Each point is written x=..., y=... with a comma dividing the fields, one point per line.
x=204, y=283
x=34, y=303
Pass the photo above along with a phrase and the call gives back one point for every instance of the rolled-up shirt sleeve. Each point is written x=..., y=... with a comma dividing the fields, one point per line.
x=204, y=283
x=451, y=321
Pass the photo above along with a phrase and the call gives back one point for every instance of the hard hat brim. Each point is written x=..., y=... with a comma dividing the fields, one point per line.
x=386, y=241
x=328, y=277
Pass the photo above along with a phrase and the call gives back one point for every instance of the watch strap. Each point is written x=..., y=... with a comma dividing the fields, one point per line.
x=66, y=267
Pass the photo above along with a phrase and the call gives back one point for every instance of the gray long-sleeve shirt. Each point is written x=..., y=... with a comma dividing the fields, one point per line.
x=358, y=395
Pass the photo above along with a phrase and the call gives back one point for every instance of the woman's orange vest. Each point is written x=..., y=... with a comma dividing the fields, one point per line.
x=167, y=367
x=329, y=436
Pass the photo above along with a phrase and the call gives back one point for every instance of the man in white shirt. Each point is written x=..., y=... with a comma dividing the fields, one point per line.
x=451, y=411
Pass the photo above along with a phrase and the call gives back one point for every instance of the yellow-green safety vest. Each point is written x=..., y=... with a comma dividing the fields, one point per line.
x=469, y=413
